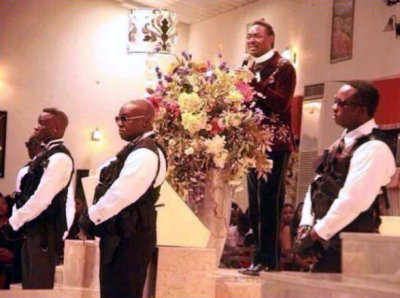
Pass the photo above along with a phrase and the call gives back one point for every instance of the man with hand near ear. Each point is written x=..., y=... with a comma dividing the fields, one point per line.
x=40, y=203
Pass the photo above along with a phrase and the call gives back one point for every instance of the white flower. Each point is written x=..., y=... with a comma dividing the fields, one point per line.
x=189, y=151
x=220, y=159
x=215, y=145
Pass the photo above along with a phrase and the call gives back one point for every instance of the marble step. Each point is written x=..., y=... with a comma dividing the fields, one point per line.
x=231, y=284
x=390, y=226
x=59, y=291
x=365, y=254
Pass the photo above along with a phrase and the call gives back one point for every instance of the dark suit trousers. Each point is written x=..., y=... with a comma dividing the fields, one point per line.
x=331, y=258
x=265, y=203
x=38, y=265
x=125, y=276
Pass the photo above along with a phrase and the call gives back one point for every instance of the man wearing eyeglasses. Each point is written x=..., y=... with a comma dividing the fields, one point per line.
x=124, y=212
x=343, y=196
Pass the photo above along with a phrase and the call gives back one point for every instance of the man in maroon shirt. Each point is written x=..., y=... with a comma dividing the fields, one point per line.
x=274, y=81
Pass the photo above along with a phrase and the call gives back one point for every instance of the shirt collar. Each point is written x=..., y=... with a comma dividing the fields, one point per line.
x=147, y=134
x=362, y=130
x=143, y=136
x=268, y=55
x=54, y=143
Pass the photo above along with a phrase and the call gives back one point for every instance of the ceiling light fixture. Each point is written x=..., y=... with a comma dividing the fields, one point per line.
x=392, y=25
x=152, y=31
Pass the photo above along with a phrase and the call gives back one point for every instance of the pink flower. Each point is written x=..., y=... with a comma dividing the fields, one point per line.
x=173, y=109
x=155, y=101
x=246, y=91
x=216, y=129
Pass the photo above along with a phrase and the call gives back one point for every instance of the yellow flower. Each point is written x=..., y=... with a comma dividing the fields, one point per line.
x=194, y=122
x=190, y=102
x=235, y=96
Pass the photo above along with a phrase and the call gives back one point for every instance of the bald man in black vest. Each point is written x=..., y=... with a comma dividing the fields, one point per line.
x=124, y=212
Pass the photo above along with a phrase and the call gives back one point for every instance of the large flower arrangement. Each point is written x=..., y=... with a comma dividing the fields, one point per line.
x=206, y=119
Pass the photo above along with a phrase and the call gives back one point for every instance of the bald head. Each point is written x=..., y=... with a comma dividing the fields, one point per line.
x=142, y=107
x=135, y=118
x=60, y=120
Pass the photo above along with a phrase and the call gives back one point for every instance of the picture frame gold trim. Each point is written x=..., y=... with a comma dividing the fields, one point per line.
x=342, y=30
x=3, y=134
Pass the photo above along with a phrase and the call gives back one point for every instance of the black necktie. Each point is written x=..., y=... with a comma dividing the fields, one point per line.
x=257, y=68
x=340, y=147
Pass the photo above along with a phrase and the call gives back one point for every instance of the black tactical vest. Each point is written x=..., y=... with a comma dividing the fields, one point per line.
x=333, y=169
x=55, y=213
x=139, y=215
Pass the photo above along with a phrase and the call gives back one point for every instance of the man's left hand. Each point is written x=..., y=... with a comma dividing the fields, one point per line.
x=305, y=243
x=85, y=224
x=9, y=233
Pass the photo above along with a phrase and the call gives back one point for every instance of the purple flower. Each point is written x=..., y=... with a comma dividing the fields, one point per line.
x=159, y=73
x=168, y=78
x=186, y=55
x=222, y=65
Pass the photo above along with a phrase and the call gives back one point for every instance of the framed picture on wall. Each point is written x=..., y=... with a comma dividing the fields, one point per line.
x=3, y=130
x=245, y=40
x=342, y=30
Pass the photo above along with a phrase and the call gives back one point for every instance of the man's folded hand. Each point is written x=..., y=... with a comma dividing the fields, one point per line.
x=9, y=234
x=303, y=244
x=86, y=226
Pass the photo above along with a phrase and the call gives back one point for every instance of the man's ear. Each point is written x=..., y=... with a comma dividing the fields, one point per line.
x=271, y=39
x=55, y=128
x=146, y=122
x=363, y=110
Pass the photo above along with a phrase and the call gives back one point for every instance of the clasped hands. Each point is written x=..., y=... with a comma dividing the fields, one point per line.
x=9, y=233
x=307, y=244
x=86, y=226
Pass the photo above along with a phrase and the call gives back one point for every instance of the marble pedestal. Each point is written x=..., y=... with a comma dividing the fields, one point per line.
x=174, y=271
x=364, y=253
x=185, y=272
x=81, y=264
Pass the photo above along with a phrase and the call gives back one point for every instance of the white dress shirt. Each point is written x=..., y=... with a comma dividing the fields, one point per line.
x=371, y=167
x=21, y=173
x=135, y=178
x=55, y=178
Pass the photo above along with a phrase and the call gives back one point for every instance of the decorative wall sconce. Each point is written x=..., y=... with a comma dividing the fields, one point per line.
x=392, y=25
x=152, y=31
x=96, y=135
x=291, y=54
x=391, y=2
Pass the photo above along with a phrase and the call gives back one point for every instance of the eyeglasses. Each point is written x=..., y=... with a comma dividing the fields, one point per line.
x=343, y=103
x=124, y=118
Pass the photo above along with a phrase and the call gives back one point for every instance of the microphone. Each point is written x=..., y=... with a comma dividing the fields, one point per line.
x=246, y=60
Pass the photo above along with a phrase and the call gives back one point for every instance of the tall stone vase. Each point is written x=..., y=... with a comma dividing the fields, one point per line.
x=215, y=210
